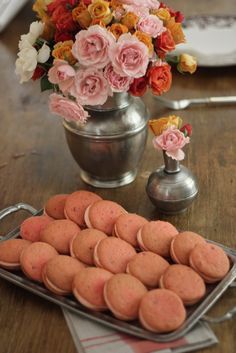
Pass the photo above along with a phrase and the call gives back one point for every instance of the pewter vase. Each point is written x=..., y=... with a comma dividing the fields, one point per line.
x=109, y=147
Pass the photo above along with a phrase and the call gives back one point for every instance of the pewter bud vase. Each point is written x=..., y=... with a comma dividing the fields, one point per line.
x=172, y=187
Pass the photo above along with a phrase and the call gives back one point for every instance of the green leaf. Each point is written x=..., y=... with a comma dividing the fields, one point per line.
x=45, y=84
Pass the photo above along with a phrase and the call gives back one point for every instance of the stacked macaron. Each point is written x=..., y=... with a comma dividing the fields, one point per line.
x=110, y=259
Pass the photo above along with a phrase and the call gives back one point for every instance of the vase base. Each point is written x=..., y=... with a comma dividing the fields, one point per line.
x=97, y=182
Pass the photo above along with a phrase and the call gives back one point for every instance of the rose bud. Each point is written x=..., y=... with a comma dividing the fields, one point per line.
x=187, y=130
x=139, y=86
x=187, y=63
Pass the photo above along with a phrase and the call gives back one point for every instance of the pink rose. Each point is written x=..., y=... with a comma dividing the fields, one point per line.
x=68, y=109
x=90, y=87
x=139, y=11
x=152, y=4
x=171, y=140
x=62, y=74
x=117, y=82
x=91, y=46
x=129, y=56
x=151, y=25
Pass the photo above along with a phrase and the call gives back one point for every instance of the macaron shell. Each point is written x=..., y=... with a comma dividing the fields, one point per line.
x=31, y=227
x=210, y=261
x=123, y=294
x=182, y=244
x=54, y=207
x=113, y=254
x=127, y=226
x=148, y=267
x=103, y=214
x=59, y=234
x=156, y=236
x=161, y=310
x=88, y=287
x=59, y=272
x=76, y=204
x=10, y=251
x=34, y=257
x=82, y=245
x=185, y=282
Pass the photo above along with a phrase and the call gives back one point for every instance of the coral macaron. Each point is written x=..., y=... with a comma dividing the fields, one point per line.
x=210, y=261
x=102, y=215
x=82, y=245
x=185, y=282
x=59, y=234
x=148, y=267
x=113, y=254
x=127, y=226
x=161, y=310
x=31, y=227
x=182, y=244
x=123, y=294
x=10, y=251
x=156, y=236
x=88, y=287
x=76, y=204
x=34, y=257
x=54, y=207
x=59, y=272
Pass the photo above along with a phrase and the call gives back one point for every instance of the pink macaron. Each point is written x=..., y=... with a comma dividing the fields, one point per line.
x=185, y=282
x=127, y=226
x=156, y=236
x=10, y=251
x=113, y=254
x=88, y=287
x=182, y=244
x=210, y=261
x=161, y=311
x=83, y=244
x=54, y=207
x=31, y=227
x=59, y=234
x=148, y=267
x=102, y=215
x=59, y=272
x=123, y=294
x=76, y=204
x=34, y=257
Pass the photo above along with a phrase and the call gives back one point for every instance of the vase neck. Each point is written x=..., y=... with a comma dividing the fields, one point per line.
x=171, y=165
x=119, y=100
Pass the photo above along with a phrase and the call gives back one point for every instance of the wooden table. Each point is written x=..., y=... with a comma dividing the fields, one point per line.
x=35, y=163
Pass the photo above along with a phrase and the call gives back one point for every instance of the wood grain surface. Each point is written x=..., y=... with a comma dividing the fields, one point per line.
x=35, y=163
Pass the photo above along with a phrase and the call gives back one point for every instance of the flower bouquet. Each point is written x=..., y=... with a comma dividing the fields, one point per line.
x=85, y=50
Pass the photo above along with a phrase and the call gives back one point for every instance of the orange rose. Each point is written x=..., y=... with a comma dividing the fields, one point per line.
x=49, y=28
x=176, y=30
x=160, y=78
x=98, y=22
x=159, y=125
x=146, y=39
x=187, y=63
x=163, y=14
x=129, y=20
x=164, y=43
x=115, y=3
x=117, y=29
x=81, y=15
x=40, y=7
x=100, y=10
x=62, y=50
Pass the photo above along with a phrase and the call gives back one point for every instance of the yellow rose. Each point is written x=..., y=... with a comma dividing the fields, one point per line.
x=159, y=125
x=146, y=39
x=117, y=29
x=176, y=30
x=62, y=50
x=187, y=63
x=100, y=10
x=129, y=20
x=163, y=14
x=81, y=15
x=40, y=7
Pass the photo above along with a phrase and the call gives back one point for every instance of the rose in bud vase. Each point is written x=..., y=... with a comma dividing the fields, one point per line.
x=101, y=56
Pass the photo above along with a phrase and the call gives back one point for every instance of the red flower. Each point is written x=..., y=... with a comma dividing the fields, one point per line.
x=139, y=86
x=38, y=72
x=164, y=43
x=187, y=130
x=63, y=36
x=66, y=23
x=179, y=17
x=160, y=78
x=66, y=4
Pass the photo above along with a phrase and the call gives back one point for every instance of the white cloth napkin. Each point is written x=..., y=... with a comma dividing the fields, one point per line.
x=91, y=337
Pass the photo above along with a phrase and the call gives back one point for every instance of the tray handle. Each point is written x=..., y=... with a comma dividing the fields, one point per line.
x=15, y=208
x=216, y=320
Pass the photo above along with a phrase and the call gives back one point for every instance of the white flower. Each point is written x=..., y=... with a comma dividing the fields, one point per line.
x=36, y=29
x=26, y=63
x=43, y=54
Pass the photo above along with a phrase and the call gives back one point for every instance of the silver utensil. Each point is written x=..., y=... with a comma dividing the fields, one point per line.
x=216, y=320
x=184, y=103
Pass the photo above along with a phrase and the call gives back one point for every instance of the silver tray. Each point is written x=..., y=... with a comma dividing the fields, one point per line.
x=194, y=313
